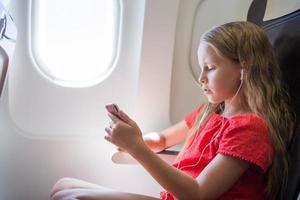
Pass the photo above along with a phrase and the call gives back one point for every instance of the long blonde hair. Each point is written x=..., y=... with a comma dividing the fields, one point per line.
x=262, y=91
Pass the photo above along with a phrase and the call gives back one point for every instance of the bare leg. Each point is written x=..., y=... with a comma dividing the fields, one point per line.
x=74, y=189
x=72, y=183
x=97, y=194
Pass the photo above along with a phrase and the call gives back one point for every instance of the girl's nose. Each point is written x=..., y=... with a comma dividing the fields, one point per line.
x=202, y=79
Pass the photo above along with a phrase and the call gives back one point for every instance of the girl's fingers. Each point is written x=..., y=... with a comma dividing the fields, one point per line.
x=108, y=130
x=106, y=137
x=113, y=118
x=111, y=124
x=125, y=117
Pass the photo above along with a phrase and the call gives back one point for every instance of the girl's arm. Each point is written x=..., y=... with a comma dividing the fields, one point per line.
x=158, y=141
x=219, y=175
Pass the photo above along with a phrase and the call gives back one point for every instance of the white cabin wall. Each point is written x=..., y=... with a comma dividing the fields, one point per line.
x=153, y=101
x=49, y=132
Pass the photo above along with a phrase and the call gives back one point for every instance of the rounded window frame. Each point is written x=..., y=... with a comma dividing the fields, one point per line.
x=42, y=68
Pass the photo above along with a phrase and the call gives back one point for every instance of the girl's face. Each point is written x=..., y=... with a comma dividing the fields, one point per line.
x=220, y=76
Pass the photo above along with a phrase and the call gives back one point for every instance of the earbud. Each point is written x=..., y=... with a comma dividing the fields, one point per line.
x=242, y=74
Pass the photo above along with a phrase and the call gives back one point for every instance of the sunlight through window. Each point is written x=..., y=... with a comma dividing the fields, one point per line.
x=74, y=40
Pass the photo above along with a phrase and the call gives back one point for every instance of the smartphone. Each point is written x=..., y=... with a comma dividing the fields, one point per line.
x=113, y=109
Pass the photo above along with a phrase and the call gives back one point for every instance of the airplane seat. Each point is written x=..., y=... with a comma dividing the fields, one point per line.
x=284, y=34
x=8, y=35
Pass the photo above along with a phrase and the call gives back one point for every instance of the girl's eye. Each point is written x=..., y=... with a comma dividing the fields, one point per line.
x=209, y=68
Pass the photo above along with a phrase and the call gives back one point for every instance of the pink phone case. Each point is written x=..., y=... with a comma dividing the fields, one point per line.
x=113, y=109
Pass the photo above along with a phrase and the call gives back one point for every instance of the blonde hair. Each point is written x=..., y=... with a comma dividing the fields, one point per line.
x=262, y=91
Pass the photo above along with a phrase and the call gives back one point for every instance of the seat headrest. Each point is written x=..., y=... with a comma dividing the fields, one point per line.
x=284, y=34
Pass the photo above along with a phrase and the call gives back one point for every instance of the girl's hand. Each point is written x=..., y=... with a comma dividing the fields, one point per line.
x=124, y=133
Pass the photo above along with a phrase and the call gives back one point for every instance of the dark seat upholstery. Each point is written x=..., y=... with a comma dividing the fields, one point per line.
x=284, y=34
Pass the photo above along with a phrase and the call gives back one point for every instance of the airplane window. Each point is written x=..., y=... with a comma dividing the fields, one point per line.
x=75, y=41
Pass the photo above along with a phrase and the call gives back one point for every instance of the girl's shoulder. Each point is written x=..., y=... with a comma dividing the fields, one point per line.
x=246, y=119
x=246, y=136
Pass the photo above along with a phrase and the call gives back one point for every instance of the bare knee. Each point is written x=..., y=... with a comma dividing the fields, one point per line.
x=62, y=184
x=77, y=194
x=65, y=181
x=62, y=195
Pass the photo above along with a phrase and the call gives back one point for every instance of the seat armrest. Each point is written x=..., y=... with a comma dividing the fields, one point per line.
x=121, y=157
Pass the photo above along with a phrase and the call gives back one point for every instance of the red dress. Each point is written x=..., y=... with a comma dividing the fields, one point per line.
x=243, y=136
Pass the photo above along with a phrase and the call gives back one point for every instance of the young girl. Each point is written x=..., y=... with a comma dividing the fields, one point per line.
x=235, y=145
